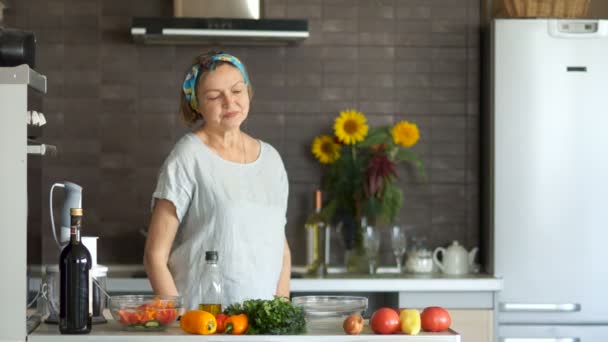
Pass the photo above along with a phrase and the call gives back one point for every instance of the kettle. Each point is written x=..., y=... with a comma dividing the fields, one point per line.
x=73, y=199
x=456, y=259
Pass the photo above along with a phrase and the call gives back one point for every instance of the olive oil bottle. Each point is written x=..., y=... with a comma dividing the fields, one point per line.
x=211, y=286
x=316, y=244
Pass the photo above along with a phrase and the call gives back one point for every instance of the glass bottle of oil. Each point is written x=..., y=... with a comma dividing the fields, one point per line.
x=315, y=229
x=211, y=285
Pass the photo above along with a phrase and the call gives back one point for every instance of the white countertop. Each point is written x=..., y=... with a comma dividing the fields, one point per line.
x=113, y=332
x=405, y=283
x=385, y=281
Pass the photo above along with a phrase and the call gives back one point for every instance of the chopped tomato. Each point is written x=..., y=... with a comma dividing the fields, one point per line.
x=166, y=316
x=144, y=307
x=128, y=317
x=162, y=311
x=123, y=317
x=145, y=315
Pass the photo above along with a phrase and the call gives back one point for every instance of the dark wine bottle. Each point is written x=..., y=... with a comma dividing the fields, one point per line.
x=75, y=309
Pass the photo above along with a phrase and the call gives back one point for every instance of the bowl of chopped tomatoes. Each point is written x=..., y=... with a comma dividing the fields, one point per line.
x=145, y=312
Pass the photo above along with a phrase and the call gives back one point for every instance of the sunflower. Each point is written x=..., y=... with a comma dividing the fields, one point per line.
x=325, y=149
x=351, y=127
x=405, y=134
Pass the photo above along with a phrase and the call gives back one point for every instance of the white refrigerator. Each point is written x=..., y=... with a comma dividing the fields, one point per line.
x=548, y=171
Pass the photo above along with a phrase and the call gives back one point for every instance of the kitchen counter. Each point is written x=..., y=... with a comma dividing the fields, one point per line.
x=473, y=291
x=112, y=332
x=121, y=279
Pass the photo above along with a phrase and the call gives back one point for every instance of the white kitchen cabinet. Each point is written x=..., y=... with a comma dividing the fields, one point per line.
x=17, y=86
x=552, y=333
x=473, y=325
x=472, y=312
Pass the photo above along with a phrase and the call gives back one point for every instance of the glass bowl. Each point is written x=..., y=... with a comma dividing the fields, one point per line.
x=325, y=314
x=145, y=312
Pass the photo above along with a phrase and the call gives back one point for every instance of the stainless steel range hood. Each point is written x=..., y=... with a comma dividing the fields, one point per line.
x=217, y=22
x=217, y=30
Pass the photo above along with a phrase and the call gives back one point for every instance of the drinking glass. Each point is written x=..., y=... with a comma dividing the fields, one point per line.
x=371, y=244
x=399, y=245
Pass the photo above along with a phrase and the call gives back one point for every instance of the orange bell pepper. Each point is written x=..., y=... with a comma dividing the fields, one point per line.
x=198, y=322
x=237, y=325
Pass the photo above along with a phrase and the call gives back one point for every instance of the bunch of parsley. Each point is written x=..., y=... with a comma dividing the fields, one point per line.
x=270, y=317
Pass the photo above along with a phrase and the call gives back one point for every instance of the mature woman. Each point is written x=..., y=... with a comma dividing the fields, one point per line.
x=219, y=189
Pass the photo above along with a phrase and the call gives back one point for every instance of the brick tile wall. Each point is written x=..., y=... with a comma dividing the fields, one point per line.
x=112, y=105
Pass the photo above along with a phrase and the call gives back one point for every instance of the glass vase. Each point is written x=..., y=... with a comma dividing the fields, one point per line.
x=359, y=258
x=356, y=261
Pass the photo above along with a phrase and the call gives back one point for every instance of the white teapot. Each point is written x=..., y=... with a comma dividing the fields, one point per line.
x=456, y=259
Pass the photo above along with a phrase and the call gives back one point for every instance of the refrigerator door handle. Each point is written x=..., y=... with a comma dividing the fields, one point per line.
x=540, y=339
x=532, y=307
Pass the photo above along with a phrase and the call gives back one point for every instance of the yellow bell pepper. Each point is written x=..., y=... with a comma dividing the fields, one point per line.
x=198, y=322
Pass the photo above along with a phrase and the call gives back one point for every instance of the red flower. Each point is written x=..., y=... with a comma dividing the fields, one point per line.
x=379, y=168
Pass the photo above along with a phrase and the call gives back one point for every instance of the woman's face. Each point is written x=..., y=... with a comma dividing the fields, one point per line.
x=223, y=98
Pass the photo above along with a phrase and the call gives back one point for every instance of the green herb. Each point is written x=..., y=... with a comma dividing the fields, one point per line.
x=270, y=317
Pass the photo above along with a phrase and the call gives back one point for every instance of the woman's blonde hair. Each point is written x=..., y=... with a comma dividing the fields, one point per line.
x=188, y=114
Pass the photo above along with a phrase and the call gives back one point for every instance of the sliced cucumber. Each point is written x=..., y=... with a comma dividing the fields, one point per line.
x=152, y=324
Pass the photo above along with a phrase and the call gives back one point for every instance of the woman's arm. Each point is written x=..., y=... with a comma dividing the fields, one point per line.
x=283, y=284
x=163, y=227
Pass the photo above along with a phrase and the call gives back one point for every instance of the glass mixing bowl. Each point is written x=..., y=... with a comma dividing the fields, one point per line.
x=145, y=312
x=325, y=314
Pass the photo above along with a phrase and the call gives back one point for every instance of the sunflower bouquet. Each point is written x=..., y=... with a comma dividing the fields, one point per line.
x=361, y=177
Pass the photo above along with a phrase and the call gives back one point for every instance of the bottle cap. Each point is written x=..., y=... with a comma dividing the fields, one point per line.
x=76, y=211
x=318, y=199
x=211, y=256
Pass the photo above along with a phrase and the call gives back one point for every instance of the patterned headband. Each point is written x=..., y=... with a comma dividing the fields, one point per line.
x=209, y=63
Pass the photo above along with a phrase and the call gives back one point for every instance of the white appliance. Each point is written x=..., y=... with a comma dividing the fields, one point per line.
x=548, y=171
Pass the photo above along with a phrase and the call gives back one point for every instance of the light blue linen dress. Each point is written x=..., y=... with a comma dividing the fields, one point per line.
x=236, y=209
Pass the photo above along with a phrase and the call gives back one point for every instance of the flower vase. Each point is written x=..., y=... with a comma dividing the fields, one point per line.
x=356, y=261
x=355, y=256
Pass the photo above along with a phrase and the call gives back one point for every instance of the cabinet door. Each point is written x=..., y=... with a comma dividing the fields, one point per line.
x=473, y=325
x=552, y=333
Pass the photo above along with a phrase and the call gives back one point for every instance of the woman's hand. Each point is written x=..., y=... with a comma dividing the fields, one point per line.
x=163, y=227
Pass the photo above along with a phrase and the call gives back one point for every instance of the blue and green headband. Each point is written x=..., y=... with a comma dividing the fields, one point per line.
x=209, y=63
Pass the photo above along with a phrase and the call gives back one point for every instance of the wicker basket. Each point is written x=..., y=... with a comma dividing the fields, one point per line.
x=546, y=8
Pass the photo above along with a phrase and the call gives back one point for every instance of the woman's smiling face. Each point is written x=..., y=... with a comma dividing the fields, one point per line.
x=223, y=97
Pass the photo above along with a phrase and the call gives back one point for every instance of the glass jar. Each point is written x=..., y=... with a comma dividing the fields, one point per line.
x=419, y=261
